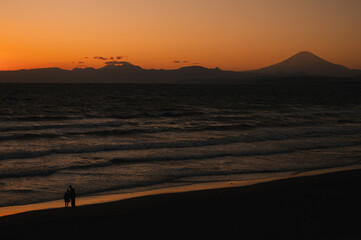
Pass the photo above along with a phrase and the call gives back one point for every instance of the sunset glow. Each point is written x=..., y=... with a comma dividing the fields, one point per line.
x=163, y=34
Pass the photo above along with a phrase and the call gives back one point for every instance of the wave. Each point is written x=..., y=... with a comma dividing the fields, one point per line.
x=48, y=171
x=114, y=124
x=271, y=136
x=61, y=126
x=171, y=113
x=121, y=132
x=256, y=152
x=174, y=178
x=18, y=191
x=116, y=120
x=76, y=130
x=111, y=132
x=38, y=118
x=120, y=161
x=29, y=136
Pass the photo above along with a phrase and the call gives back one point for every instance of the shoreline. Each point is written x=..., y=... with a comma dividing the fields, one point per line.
x=115, y=197
x=311, y=205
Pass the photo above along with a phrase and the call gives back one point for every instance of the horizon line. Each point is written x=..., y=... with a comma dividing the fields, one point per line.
x=170, y=69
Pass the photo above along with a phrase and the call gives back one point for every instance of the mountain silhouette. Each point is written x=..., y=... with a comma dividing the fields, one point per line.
x=303, y=64
x=307, y=64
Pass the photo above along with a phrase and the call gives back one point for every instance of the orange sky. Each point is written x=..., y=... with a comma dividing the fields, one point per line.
x=230, y=34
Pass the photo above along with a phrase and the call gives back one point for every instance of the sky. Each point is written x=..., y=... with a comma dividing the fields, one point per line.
x=168, y=34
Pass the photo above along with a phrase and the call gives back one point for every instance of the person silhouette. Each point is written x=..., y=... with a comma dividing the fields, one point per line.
x=67, y=198
x=72, y=195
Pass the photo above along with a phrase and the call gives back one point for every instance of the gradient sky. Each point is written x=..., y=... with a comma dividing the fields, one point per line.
x=168, y=34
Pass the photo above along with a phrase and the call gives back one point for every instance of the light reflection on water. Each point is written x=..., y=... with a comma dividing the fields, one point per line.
x=121, y=137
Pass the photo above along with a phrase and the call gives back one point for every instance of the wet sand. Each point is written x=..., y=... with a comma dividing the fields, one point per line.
x=324, y=206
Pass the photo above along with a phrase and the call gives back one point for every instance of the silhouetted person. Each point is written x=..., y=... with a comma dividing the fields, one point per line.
x=67, y=198
x=72, y=195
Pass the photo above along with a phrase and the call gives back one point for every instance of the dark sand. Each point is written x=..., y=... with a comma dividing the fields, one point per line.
x=326, y=206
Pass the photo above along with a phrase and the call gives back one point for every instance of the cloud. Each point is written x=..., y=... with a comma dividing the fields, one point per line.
x=81, y=62
x=110, y=58
x=177, y=61
x=100, y=58
x=116, y=62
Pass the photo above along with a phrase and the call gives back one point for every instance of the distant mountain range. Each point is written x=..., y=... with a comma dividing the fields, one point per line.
x=303, y=64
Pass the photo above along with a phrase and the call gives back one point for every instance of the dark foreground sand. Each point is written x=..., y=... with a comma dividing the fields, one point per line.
x=326, y=206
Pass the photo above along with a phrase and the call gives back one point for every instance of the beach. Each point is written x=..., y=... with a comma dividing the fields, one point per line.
x=322, y=206
x=181, y=161
x=117, y=138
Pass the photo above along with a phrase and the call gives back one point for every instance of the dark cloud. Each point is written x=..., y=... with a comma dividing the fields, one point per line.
x=85, y=57
x=177, y=61
x=100, y=58
x=81, y=62
x=109, y=58
x=116, y=62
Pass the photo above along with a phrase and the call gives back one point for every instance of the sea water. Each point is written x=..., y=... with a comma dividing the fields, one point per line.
x=120, y=138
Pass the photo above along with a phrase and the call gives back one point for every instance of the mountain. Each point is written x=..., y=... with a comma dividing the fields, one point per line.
x=307, y=64
x=303, y=64
x=124, y=73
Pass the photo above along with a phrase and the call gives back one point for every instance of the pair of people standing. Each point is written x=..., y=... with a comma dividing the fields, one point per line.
x=69, y=196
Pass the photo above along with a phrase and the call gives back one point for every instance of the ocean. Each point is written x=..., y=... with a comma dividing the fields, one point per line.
x=107, y=138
